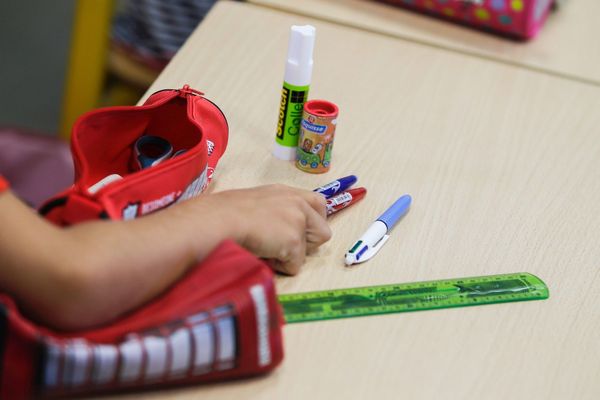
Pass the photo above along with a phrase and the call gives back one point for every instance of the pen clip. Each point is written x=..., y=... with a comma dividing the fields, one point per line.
x=370, y=253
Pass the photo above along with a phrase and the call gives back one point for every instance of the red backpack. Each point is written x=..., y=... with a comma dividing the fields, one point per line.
x=221, y=321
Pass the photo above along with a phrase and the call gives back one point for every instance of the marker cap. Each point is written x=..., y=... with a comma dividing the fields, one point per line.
x=298, y=69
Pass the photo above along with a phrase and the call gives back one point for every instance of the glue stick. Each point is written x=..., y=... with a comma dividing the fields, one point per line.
x=296, y=82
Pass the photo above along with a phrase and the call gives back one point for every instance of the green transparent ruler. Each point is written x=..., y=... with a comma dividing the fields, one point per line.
x=446, y=293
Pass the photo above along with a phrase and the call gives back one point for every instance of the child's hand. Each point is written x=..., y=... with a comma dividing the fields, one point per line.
x=92, y=273
x=276, y=222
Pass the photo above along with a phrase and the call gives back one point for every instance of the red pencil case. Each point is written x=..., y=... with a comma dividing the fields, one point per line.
x=102, y=143
x=520, y=19
x=221, y=321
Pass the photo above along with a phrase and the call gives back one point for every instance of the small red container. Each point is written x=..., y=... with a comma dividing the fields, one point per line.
x=316, y=136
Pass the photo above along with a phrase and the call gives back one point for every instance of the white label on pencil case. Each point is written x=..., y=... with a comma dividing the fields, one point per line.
x=257, y=292
x=77, y=356
x=53, y=356
x=156, y=357
x=226, y=354
x=204, y=343
x=131, y=360
x=105, y=363
x=225, y=327
x=196, y=187
x=180, y=352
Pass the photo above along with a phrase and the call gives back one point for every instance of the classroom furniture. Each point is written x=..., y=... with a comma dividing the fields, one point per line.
x=503, y=164
x=87, y=61
x=98, y=73
x=566, y=46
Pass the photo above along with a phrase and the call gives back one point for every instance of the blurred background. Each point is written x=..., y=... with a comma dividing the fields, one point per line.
x=62, y=58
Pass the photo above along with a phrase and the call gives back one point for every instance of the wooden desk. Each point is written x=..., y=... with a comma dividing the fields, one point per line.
x=504, y=167
x=566, y=46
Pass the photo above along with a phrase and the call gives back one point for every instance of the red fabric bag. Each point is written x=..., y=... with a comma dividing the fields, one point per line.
x=221, y=321
x=102, y=143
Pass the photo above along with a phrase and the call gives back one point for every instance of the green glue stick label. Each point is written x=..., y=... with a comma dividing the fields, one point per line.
x=290, y=114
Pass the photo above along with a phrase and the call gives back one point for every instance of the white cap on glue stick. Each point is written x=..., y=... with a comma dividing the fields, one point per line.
x=299, y=66
x=298, y=72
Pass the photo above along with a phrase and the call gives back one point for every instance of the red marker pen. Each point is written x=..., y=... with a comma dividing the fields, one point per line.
x=345, y=199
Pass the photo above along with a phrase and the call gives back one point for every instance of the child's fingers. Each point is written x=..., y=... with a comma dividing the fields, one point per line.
x=292, y=256
x=315, y=200
x=317, y=229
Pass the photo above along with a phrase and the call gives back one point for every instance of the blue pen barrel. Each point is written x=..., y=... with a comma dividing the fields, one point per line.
x=396, y=211
x=337, y=186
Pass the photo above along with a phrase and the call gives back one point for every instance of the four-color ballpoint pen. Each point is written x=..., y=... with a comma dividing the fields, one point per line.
x=375, y=237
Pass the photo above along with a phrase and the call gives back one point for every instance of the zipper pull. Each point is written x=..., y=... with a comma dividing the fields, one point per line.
x=186, y=90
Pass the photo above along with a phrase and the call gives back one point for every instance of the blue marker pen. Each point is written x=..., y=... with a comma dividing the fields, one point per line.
x=336, y=186
x=375, y=237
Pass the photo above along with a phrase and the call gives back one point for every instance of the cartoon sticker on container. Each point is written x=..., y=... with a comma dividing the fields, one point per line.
x=316, y=136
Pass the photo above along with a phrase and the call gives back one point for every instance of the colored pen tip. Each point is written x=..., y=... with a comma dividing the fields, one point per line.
x=358, y=193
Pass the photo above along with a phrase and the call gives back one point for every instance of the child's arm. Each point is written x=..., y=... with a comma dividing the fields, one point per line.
x=88, y=274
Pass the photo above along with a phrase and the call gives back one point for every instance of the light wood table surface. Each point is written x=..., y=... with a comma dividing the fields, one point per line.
x=504, y=167
x=568, y=45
